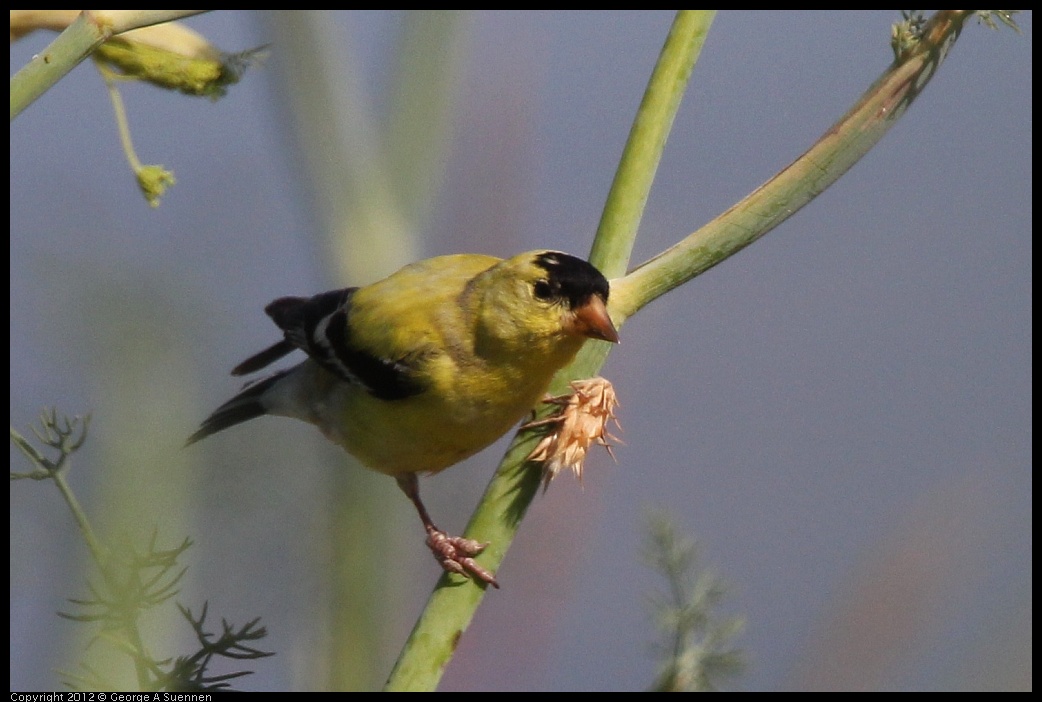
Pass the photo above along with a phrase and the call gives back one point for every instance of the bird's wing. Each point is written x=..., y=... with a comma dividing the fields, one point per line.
x=320, y=326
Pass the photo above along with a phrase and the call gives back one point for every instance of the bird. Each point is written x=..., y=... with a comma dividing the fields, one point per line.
x=418, y=371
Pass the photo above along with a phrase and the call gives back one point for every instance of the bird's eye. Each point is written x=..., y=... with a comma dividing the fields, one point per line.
x=543, y=290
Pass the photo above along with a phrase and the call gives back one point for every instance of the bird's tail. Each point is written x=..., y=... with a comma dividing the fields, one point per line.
x=247, y=405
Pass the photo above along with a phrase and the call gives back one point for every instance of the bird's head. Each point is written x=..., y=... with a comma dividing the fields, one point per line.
x=546, y=295
x=578, y=289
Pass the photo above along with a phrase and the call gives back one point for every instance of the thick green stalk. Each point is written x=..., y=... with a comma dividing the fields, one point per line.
x=629, y=192
x=803, y=180
x=87, y=32
x=452, y=604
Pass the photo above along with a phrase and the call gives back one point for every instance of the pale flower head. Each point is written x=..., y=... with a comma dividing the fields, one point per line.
x=580, y=421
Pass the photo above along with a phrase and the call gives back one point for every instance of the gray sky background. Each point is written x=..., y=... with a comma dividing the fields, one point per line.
x=840, y=414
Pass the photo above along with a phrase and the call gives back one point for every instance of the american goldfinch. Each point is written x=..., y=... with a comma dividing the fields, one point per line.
x=420, y=370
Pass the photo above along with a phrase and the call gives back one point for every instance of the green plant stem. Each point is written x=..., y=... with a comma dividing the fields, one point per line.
x=120, y=111
x=97, y=550
x=642, y=153
x=91, y=29
x=450, y=609
x=57, y=437
x=426, y=79
x=452, y=604
x=799, y=183
x=101, y=556
x=54, y=436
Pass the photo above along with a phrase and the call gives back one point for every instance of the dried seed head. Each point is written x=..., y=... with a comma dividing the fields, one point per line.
x=580, y=421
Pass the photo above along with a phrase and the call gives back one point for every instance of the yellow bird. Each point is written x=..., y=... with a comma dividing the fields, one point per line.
x=420, y=370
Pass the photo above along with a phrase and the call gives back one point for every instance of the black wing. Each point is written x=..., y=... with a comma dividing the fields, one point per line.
x=319, y=326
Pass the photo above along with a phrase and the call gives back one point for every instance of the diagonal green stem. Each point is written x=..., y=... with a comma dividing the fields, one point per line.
x=783, y=195
x=452, y=604
x=87, y=32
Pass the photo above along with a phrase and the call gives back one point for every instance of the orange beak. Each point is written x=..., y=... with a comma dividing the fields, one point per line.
x=592, y=320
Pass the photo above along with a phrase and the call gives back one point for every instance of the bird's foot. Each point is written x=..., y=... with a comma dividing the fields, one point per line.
x=456, y=555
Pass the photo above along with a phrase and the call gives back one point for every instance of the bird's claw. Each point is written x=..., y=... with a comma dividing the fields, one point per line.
x=456, y=555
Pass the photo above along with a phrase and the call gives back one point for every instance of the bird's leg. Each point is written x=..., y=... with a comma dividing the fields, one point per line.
x=454, y=553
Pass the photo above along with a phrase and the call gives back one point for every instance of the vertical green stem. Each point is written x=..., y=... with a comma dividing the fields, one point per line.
x=624, y=206
x=496, y=520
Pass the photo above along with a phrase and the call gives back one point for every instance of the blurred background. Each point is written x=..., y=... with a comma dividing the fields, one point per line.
x=840, y=414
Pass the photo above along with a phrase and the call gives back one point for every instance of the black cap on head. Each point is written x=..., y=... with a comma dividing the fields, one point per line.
x=571, y=278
